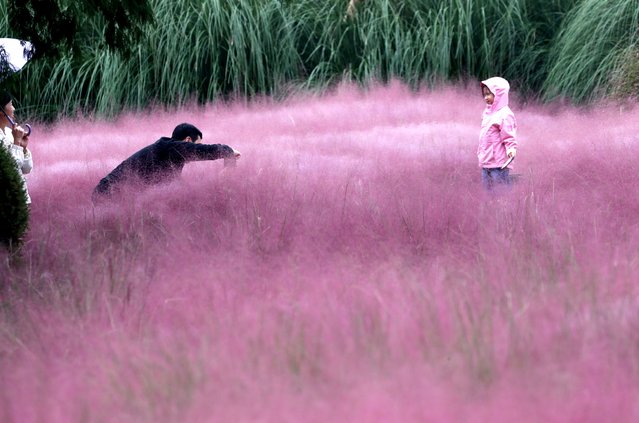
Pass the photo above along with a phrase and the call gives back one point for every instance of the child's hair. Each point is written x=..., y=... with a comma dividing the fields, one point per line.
x=184, y=130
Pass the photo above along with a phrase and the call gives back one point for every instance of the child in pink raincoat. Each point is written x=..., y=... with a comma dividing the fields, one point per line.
x=497, y=137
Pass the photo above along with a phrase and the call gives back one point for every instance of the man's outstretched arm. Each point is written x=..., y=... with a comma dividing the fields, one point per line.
x=195, y=152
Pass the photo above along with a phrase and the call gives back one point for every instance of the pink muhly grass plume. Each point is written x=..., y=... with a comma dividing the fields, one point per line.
x=350, y=268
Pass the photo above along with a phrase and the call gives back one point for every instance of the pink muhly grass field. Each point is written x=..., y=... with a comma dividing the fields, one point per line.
x=350, y=268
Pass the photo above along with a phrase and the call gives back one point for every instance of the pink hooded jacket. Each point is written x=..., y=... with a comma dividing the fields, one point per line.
x=498, y=126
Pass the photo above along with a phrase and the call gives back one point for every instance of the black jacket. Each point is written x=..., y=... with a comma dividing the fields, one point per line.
x=159, y=162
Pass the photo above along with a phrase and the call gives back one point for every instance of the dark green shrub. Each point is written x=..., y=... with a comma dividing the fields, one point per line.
x=14, y=212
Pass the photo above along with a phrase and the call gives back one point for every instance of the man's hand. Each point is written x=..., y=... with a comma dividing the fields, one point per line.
x=511, y=152
x=232, y=161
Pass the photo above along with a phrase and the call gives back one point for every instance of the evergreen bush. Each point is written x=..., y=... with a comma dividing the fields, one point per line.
x=14, y=211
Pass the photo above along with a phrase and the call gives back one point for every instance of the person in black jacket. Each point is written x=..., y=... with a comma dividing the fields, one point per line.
x=163, y=160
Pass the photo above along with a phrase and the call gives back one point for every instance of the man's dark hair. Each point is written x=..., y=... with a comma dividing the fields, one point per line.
x=184, y=130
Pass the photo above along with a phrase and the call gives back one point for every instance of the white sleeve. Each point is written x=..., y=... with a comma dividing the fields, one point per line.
x=18, y=155
x=27, y=163
x=4, y=140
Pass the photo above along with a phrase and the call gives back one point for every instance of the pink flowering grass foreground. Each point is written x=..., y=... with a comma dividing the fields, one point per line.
x=350, y=269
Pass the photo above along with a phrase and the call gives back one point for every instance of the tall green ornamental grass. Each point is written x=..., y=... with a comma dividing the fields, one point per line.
x=4, y=24
x=594, y=42
x=201, y=51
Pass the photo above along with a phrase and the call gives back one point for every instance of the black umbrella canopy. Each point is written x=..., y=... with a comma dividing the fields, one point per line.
x=14, y=54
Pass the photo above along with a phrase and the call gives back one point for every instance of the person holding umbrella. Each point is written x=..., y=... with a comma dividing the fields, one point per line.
x=14, y=54
x=15, y=139
x=163, y=161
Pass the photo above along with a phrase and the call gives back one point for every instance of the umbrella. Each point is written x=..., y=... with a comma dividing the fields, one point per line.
x=14, y=54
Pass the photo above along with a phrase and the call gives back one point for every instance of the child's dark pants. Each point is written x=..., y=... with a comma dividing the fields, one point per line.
x=493, y=177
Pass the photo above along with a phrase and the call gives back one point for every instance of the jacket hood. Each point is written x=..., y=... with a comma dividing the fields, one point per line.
x=500, y=88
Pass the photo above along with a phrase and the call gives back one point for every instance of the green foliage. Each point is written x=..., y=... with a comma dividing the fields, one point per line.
x=206, y=49
x=68, y=31
x=14, y=212
x=60, y=25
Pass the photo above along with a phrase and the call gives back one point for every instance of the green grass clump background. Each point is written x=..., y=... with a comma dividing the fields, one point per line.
x=211, y=49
